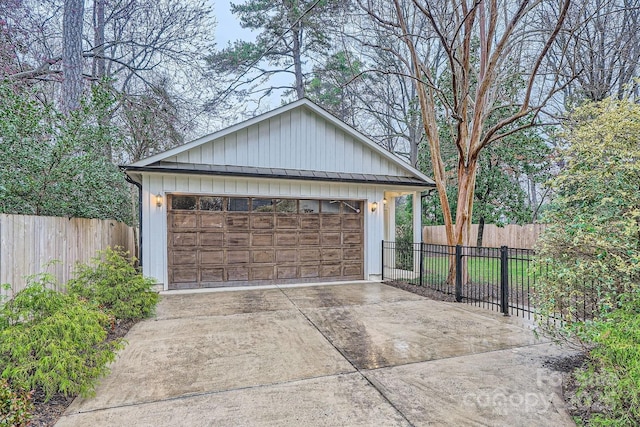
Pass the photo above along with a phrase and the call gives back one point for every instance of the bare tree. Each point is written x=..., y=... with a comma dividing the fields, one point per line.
x=485, y=43
x=140, y=48
x=390, y=100
x=601, y=43
x=12, y=39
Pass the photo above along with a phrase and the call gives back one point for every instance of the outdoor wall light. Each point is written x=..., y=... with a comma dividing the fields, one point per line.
x=384, y=201
x=374, y=206
x=159, y=200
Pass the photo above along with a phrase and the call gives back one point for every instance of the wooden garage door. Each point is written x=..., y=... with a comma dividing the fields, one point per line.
x=227, y=241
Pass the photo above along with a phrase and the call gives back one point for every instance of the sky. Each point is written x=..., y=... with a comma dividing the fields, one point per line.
x=228, y=28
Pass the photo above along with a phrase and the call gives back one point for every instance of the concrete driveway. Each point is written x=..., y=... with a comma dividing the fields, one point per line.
x=360, y=354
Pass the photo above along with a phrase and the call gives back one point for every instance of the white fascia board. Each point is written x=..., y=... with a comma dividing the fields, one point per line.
x=398, y=189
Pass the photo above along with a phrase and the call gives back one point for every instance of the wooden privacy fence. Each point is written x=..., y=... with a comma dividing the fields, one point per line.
x=28, y=243
x=512, y=235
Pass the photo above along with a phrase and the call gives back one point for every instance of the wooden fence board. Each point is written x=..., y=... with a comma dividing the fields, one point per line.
x=512, y=235
x=31, y=244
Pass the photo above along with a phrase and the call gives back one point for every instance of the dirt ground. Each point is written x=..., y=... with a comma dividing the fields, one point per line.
x=422, y=291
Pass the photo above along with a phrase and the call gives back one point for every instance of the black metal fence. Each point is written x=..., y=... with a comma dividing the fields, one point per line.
x=499, y=279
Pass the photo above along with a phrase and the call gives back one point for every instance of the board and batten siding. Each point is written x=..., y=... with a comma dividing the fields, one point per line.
x=155, y=218
x=297, y=139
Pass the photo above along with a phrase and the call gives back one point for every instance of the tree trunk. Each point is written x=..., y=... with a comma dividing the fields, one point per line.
x=462, y=226
x=99, y=68
x=297, y=61
x=72, y=54
x=464, y=212
x=480, y=232
x=533, y=199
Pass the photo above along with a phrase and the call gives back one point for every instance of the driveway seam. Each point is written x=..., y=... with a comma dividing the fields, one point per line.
x=382, y=394
x=460, y=356
x=211, y=393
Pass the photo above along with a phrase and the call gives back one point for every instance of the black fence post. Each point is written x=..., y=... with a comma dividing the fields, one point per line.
x=382, y=263
x=504, y=280
x=421, y=263
x=458, y=273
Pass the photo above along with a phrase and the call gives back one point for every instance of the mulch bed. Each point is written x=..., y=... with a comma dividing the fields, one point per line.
x=473, y=291
x=422, y=290
x=47, y=413
x=567, y=366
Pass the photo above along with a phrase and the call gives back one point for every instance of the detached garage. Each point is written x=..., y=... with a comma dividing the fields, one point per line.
x=290, y=196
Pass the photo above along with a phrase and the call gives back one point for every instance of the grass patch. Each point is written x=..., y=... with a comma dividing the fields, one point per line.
x=480, y=270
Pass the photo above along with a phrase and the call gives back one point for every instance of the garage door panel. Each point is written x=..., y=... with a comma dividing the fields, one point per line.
x=237, y=256
x=212, y=257
x=262, y=239
x=262, y=273
x=330, y=239
x=331, y=255
x=352, y=238
x=211, y=220
x=287, y=256
x=307, y=255
x=237, y=221
x=238, y=274
x=185, y=239
x=309, y=222
x=309, y=271
x=185, y=275
x=184, y=220
x=330, y=222
x=237, y=239
x=352, y=222
x=352, y=269
x=284, y=238
x=286, y=272
x=184, y=258
x=262, y=222
x=211, y=239
x=352, y=254
x=286, y=221
x=185, y=285
x=211, y=275
x=331, y=270
x=309, y=239
x=212, y=247
x=262, y=256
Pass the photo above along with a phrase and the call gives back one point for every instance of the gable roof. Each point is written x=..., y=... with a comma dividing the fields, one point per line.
x=168, y=161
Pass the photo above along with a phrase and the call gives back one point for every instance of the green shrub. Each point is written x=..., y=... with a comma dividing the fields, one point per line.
x=589, y=254
x=610, y=384
x=114, y=284
x=34, y=303
x=53, y=341
x=15, y=406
